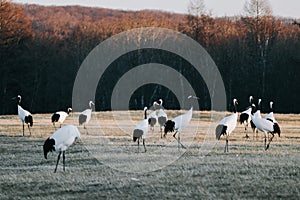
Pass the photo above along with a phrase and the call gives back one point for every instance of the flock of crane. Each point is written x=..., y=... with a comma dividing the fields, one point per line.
x=65, y=136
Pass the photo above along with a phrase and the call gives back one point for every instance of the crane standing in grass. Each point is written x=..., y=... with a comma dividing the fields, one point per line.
x=161, y=116
x=60, y=116
x=227, y=125
x=24, y=115
x=141, y=131
x=152, y=117
x=245, y=116
x=178, y=123
x=266, y=126
x=60, y=141
x=85, y=116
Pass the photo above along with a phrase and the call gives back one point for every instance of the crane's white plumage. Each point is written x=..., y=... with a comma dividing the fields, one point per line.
x=85, y=116
x=177, y=124
x=60, y=116
x=265, y=126
x=141, y=130
x=60, y=141
x=227, y=125
x=161, y=116
x=257, y=115
x=24, y=115
x=270, y=115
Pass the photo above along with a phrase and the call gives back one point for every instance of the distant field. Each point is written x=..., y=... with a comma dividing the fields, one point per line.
x=105, y=163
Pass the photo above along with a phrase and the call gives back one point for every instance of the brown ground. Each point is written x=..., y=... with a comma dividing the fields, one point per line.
x=105, y=163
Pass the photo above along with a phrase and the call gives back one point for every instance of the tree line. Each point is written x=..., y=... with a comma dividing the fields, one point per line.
x=42, y=48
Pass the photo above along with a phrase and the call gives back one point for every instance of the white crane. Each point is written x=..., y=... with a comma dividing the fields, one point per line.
x=227, y=125
x=152, y=117
x=265, y=126
x=270, y=115
x=24, y=115
x=178, y=123
x=60, y=116
x=141, y=131
x=258, y=115
x=161, y=116
x=60, y=141
x=85, y=116
x=245, y=117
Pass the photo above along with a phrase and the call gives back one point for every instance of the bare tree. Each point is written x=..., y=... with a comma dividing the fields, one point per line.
x=198, y=21
x=262, y=31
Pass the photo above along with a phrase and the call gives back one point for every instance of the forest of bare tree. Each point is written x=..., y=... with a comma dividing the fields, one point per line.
x=42, y=48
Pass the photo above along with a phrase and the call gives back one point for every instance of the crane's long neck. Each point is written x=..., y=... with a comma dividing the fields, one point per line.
x=145, y=114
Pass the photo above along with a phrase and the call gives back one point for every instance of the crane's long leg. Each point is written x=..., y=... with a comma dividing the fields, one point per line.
x=144, y=145
x=269, y=142
x=178, y=140
x=29, y=129
x=138, y=145
x=64, y=160
x=57, y=161
x=265, y=140
x=23, y=128
x=226, y=145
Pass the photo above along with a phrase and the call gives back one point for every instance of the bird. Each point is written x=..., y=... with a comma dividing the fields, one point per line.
x=265, y=126
x=24, y=115
x=256, y=114
x=227, y=125
x=141, y=131
x=60, y=142
x=60, y=116
x=161, y=116
x=85, y=116
x=245, y=117
x=152, y=117
x=270, y=115
x=178, y=123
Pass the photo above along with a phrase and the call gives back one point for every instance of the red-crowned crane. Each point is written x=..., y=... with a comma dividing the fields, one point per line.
x=245, y=116
x=161, y=116
x=60, y=116
x=60, y=141
x=258, y=115
x=227, y=125
x=152, y=117
x=265, y=126
x=141, y=131
x=178, y=123
x=24, y=115
x=85, y=116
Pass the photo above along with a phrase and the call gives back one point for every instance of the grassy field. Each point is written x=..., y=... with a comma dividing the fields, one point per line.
x=105, y=163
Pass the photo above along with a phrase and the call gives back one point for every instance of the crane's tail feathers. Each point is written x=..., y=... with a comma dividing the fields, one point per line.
x=151, y=121
x=220, y=130
x=169, y=126
x=162, y=120
x=276, y=129
x=243, y=117
x=29, y=120
x=137, y=133
x=82, y=119
x=48, y=146
x=55, y=118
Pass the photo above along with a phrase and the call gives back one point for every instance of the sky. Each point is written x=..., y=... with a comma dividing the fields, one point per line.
x=284, y=8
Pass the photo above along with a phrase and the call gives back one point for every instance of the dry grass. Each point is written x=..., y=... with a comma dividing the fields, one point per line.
x=105, y=163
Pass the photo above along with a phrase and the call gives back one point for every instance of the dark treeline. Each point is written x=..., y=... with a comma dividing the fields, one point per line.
x=42, y=48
